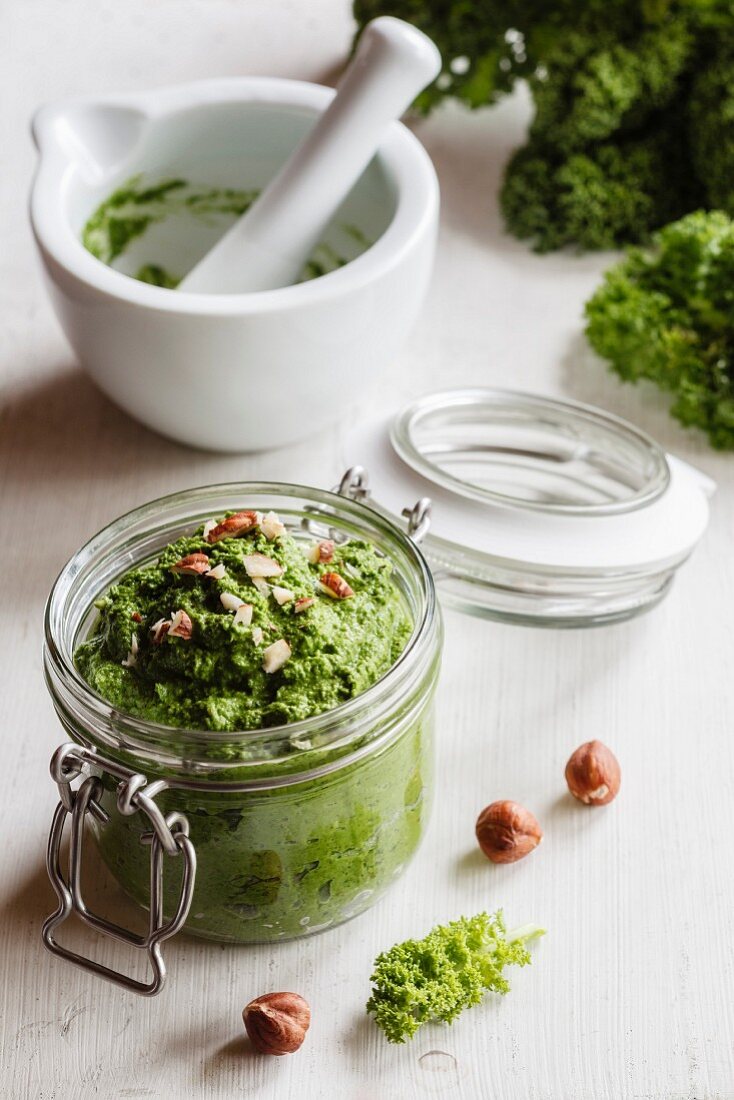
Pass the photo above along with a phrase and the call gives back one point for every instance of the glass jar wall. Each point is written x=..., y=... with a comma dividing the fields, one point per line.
x=295, y=827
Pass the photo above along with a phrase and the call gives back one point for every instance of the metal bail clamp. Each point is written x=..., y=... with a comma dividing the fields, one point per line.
x=168, y=836
x=354, y=485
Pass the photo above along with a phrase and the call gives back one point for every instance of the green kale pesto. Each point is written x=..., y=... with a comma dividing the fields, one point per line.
x=275, y=861
x=131, y=211
x=284, y=862
x=215, y=679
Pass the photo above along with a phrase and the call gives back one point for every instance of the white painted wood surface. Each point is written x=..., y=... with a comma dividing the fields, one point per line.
x=631, y=995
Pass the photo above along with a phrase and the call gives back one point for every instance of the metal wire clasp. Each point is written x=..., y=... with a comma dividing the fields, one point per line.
x=168, y=835
x=419, y=518
x=355, y=485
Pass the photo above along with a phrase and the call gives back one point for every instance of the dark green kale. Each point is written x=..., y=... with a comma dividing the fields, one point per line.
x=711, y=124
x=667, y=314
x=595, y=198
x=634, y=106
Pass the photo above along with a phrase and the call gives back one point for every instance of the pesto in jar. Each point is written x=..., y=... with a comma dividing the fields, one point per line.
x=215, y=679
x=241, y=626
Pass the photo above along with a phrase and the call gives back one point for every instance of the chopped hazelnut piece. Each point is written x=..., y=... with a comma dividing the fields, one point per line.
x=230, y=602
x=234, y=526
x=261, y=585
x=283, y=595
x=303, y=604
x=159, y=630
x=181, y=626
x=272, y=527
x=276, y=655
x=243, y=614
x=333, y=585
x=258, y=565
x=132, y=658
x=192, y=565
x=321, y=552
x=218, y=573
x=257, y=635
x=209, y=527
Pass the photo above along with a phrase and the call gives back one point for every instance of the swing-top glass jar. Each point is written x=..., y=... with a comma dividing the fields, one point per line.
x=260, y=835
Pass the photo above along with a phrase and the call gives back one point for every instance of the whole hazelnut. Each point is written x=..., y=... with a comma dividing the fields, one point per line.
x=277, y=1022
x=506, y=831
x=593, y=774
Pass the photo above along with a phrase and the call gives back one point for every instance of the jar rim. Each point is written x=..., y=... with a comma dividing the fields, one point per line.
x=134, y=530
x=621, y=468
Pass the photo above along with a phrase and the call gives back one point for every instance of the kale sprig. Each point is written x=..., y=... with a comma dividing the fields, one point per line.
x=447, y=971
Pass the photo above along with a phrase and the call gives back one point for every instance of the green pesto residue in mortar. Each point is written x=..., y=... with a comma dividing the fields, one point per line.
x=273, y=862
x=138, y=205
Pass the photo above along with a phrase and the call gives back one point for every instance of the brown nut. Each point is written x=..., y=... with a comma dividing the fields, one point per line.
x=192, y=565
x=321, y=552
x=277, y=1022
x=593, y=774
x=181, y=626
x=506, y=831
x=331, y=584
x=233, y=526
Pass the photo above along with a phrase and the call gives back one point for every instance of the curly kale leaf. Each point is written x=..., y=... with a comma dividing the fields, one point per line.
x=487, y=45
x=607, y=195
x=449, y=970
x=593, y=86
x=634, y=106
x=711, y=124
x=480, y=63
x=667, y=315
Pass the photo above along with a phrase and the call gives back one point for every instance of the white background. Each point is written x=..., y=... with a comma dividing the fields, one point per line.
x=631, y=994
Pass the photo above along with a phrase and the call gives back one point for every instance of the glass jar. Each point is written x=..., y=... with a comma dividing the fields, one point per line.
x=283, y=831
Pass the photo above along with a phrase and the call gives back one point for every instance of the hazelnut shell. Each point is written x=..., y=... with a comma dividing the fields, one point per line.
x=277, y=1022
x=506, y=831
x=593, y=774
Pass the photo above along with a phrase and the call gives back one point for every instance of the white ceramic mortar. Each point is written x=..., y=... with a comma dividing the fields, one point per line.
x=229, y=372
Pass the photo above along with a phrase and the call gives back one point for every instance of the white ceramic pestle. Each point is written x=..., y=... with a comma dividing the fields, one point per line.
x=270, y=244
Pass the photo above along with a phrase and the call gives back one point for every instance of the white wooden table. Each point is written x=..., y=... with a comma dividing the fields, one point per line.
x=631, y=994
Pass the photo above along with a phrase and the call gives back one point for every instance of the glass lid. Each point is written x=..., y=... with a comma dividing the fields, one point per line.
x=542, y=511
x=522, y=451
